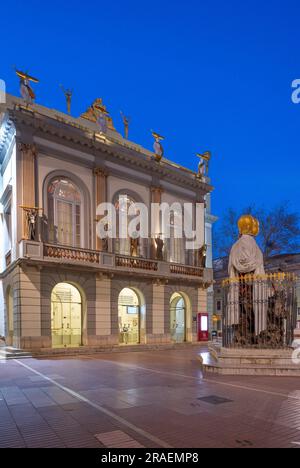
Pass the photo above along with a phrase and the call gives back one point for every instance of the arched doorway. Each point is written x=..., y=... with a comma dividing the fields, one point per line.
x=9, y=316
x=131, y=315
x=178, y=318
x=66, y=316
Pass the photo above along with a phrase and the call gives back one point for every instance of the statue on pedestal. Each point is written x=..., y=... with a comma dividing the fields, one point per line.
x=247, y=298
x=260, y=309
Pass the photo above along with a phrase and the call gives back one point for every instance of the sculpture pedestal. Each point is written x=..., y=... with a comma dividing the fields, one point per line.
x=249, y=361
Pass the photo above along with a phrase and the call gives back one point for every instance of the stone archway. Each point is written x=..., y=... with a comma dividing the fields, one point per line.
x=131, y=316
x=66, y=316
x=178, y=318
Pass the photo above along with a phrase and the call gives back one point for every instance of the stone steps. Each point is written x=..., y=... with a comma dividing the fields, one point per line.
x=8, y=352
x=89, y=350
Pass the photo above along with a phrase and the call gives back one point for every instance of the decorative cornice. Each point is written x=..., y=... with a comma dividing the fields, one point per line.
x=87, y=139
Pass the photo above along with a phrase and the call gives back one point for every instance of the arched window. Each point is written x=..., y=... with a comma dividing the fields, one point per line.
x=64, y=212
x=176, y=252
x=125, y=246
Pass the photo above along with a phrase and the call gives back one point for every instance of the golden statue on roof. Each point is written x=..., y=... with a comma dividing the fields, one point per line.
x=203, y=166
x=96, y=113
x=26, y=90
x=158, y=148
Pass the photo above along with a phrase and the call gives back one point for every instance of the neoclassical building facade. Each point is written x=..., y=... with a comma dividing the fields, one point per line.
x=61, y=285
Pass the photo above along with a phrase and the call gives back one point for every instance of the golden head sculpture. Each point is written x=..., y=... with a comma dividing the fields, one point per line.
x=248, y=225
x=256, y=227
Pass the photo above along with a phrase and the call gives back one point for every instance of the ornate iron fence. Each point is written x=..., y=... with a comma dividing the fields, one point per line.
x=260, y=311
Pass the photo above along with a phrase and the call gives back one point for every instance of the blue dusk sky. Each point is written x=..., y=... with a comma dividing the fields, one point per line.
x=207, y=75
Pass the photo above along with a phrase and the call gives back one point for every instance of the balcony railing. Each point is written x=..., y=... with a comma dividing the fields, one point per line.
x=69, y=253
x=138, y=263
x=111, y=262
x=186, y=270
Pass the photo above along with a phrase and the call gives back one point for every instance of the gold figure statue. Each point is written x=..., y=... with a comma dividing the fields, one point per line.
x=203, y=166
x=126, y=122
x=158, y=148
x=134, y=246
x=202, y=253
x=68, y=95
x=26, y=91
x=97, y=112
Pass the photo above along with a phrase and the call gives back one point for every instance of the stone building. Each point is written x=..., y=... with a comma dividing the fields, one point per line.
x=61, y=285
x=285, y=263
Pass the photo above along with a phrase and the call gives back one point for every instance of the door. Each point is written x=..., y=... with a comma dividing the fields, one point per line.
x=66, y=316
x=177, y=321
x=129, y=317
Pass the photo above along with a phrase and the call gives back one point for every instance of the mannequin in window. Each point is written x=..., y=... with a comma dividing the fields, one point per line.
x=134, y=246
x=31, y=224
x=202, y=256
x=159, y=248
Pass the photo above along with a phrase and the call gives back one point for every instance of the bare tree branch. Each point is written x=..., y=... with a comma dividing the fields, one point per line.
x=279, y=230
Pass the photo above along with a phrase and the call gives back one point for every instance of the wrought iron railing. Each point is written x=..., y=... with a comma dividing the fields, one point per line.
x=70, y=253
x=260, y=311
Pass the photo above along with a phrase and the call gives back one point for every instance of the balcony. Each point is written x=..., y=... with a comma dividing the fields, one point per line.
x=111, y=263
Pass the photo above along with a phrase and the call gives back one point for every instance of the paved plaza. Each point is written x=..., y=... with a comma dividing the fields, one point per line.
x=143, y=399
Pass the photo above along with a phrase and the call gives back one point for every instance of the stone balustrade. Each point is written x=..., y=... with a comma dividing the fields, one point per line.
x=70, y=253
x=112, y=263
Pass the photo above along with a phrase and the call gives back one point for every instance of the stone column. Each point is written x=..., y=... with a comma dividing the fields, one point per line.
x=100, y=196
x=158, y=313
x=27, y=180
x=156, y=193
x=103, y=313
x=30, y=308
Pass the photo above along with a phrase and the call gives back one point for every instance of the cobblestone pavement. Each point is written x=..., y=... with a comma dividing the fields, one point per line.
x=149, y=399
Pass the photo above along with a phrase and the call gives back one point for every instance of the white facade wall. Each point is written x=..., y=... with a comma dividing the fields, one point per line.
x=49, y=164
x=115, y=184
